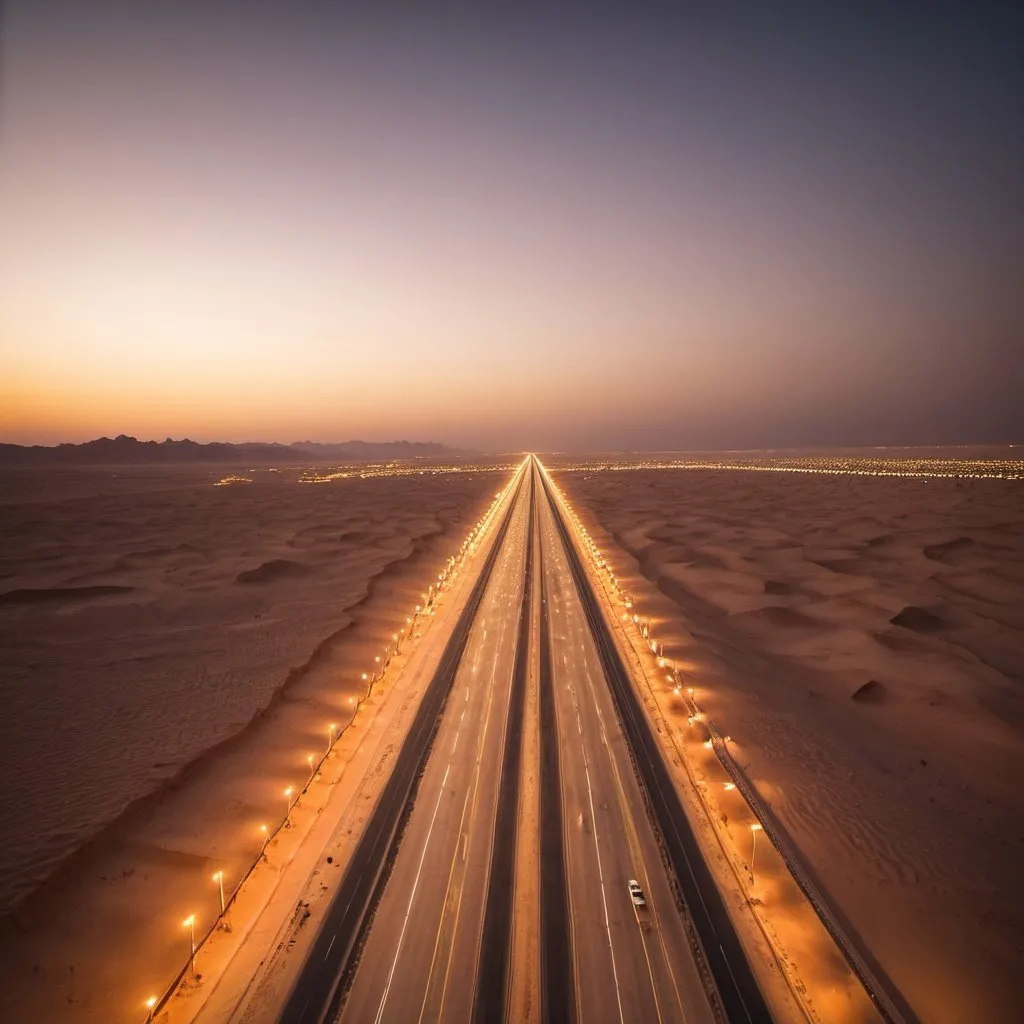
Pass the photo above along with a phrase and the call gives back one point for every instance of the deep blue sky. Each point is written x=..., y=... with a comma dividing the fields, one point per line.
x=603, y=226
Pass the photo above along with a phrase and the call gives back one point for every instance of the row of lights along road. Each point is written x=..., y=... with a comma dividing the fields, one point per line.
x=656, y=650
x=291, y=797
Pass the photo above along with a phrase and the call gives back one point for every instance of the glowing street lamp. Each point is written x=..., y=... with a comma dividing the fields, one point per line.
x=729, y=786
x=309, y=760
x=754, y=829
x=330, y=735
x=266, y=836
x=190, y=924
x=218, y=877
x=150, y=1003
x=288, y=800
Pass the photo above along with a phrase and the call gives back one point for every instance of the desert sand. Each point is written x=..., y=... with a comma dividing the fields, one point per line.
x=172, y=652
x=862, y=640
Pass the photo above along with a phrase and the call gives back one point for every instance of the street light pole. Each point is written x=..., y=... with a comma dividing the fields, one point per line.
x=190, y=924
x=754, y=829
x=219, y=879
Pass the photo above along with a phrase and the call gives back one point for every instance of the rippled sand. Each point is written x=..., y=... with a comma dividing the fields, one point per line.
x=862, y=639
x=171, y=649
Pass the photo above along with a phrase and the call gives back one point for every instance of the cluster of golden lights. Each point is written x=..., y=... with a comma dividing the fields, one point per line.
x=887, y=465
x=368, y=471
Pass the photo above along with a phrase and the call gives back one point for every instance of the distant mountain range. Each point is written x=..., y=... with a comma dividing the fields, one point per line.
x=129, y=450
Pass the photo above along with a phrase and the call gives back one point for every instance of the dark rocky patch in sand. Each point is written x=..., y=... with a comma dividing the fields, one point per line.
x=872, y=692
x=920, y=620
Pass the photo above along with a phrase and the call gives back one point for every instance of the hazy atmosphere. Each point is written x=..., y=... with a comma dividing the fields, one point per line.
x=511, y=513
x=757, y=225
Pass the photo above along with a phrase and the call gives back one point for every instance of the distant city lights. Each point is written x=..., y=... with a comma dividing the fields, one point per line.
x=866, y=465
x=323, y=474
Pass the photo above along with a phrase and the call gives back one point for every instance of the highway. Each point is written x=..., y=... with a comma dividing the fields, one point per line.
x=740, y=997
x=419, y=962
x=324, y=979
x=630, y=963
x=421, y=928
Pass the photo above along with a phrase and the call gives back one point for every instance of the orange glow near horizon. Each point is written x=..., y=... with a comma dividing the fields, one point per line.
x=383, y=235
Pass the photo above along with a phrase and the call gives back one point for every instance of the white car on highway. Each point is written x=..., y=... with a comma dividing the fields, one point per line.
x=636, y=894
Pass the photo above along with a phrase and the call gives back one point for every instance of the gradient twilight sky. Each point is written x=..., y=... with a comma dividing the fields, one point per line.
x=735, y=225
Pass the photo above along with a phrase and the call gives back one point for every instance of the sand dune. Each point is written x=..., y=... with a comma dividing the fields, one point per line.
x=146, y=730
x=862, y=639
x=275, y=569
x=49, y=595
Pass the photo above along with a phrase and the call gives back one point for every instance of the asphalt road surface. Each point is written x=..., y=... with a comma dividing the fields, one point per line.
x=740, y=997
x=631, y=964
x=325, y=977
x=421, y=927
x=420, y=959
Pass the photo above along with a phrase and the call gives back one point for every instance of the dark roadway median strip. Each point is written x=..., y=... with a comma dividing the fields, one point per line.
x=558, y=990
x=491, y=996
x=737, y=988
x=323, y=982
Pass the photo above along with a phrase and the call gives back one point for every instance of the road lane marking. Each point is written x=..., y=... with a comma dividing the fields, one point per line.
x=633, y=840
x=628, y=821
x=604, y=740
x=462, y=847
x=634, y=849
x=600, y=866
x=497, y=605
x=412, y=895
